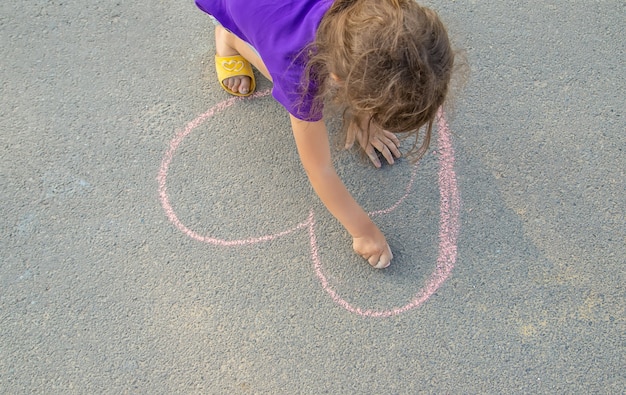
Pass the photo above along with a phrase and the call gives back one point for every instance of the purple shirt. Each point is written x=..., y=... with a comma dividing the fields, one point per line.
x=278, y=30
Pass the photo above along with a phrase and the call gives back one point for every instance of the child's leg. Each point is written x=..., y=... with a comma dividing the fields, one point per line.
x=227, y=44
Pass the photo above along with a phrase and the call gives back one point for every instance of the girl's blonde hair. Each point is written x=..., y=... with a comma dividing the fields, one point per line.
x=388, y=60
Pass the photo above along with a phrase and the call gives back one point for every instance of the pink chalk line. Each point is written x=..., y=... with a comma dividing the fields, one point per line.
x=162, y=180
x=407, y=191
x=448, y=224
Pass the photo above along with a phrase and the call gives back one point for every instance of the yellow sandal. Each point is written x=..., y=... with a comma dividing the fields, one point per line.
x=232, y=66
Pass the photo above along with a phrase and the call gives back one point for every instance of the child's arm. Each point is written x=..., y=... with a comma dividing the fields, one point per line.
x=314, y=149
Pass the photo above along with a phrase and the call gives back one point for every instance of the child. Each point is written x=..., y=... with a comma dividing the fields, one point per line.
x=386, y=63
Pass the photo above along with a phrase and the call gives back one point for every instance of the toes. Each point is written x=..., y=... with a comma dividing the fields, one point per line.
x=244, y=85
x=231, y=83
x=234, y=85
x=228, y=83
x=238, y=84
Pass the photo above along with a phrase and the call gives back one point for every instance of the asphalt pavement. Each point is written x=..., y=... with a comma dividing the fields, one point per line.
x=159, y=237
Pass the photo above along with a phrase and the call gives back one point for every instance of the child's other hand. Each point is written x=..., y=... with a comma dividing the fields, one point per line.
x=378, y=139
x=374, y=250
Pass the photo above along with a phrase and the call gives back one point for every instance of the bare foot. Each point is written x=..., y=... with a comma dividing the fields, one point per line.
x=240, y=84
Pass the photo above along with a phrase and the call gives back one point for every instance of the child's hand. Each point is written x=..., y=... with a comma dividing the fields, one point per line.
x=374, y=250
x=378, y=139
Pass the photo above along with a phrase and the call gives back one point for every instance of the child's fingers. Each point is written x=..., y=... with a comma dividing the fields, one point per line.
x=351, y=136
x=373, y=260
x=371, y=153
x=382, y=260
x=394, y=143
x=386, y=147
x=376, y=252
x=382, y=264
x=379, y=262
x=385, y=259
x=391, y=136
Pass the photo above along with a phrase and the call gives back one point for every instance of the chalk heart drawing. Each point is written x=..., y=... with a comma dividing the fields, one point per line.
x=449, y=224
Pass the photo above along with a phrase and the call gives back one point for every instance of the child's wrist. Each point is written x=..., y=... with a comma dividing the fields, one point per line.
x=367, y=228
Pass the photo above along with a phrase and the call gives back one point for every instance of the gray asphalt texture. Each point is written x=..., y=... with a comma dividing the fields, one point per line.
x=101, y=293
